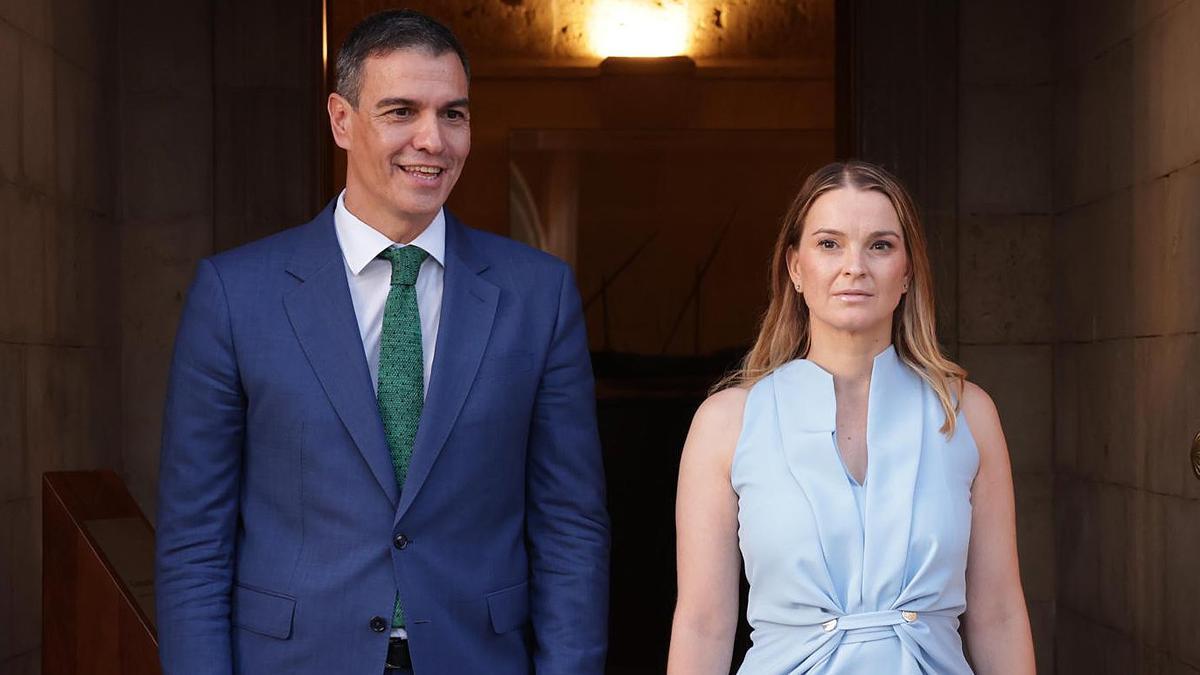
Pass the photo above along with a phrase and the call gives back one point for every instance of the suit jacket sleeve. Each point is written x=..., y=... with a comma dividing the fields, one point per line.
x=203, y=429
x=567, y=520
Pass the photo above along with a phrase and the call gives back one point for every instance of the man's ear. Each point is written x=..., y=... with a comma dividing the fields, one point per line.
x=341, y=120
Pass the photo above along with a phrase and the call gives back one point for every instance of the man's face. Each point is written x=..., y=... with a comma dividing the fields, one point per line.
x=408, y=138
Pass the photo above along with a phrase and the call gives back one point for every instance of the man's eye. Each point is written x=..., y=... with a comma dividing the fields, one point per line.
x=455, y=115
x=401, y=112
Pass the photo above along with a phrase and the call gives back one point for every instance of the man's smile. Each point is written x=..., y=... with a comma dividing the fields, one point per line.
x=425, y=173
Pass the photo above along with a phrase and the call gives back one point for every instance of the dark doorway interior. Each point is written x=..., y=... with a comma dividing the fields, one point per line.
x=663, y=184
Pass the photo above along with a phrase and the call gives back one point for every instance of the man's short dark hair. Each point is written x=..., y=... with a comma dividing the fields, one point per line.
x=385, y=32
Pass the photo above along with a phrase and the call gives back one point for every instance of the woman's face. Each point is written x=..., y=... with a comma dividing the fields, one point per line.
x=850, y=262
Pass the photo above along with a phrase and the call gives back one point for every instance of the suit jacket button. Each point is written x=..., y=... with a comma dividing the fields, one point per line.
x=378, y=624
x=401, y=542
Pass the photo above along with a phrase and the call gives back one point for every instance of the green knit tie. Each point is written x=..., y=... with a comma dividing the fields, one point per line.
x=401, y=367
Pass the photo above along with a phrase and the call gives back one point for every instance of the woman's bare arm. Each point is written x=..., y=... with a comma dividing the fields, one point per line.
x=708, y=561
x=996, y=621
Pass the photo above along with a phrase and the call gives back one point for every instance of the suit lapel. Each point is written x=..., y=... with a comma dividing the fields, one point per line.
x=322, y=315
x=468, y=309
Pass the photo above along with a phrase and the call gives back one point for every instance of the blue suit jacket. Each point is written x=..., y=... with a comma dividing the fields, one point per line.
x=279, y=513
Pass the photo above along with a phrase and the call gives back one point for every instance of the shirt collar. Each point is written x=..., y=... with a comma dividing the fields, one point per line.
x=361, y=243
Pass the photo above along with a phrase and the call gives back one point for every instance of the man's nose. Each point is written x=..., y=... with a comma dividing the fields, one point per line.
x=428, y=135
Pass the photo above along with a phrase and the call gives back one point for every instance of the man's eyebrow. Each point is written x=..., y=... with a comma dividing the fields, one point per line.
x=389, y=102
x=410, y=103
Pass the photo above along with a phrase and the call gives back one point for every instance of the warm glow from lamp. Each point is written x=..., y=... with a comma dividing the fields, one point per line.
x=638, y=28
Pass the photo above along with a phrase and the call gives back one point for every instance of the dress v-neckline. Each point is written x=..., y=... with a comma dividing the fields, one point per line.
x=846, y=468
x=876, y=544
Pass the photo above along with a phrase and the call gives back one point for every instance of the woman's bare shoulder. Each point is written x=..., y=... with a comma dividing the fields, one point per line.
x=977, y=405
x=983, y=419
x=717, y=424
x=724, y=405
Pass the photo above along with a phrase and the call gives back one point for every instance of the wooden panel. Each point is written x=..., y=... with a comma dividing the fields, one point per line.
x=269, y=117
x=513, y=90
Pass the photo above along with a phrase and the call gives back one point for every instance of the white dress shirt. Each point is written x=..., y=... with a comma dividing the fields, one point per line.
x=370, y=280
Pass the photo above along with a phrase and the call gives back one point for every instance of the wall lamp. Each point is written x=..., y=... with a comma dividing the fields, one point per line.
x=638, y=28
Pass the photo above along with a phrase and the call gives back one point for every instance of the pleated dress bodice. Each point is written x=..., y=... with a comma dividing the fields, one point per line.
x=847, y=578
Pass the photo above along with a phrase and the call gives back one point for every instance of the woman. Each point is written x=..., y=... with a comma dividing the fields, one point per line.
x=866, y=483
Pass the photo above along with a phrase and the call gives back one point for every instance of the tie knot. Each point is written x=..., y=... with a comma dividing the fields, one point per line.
x=406, y=262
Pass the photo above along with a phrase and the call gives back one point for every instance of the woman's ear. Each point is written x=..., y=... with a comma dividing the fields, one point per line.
x=793, y=267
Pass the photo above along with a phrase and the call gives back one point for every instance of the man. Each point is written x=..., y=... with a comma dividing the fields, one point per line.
x=380, y=451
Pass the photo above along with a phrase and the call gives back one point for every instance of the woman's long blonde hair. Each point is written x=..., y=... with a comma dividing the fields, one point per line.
x=785, y=333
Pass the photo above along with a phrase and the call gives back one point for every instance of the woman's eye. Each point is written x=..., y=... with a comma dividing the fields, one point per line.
x=882, y=245
x=827, y=244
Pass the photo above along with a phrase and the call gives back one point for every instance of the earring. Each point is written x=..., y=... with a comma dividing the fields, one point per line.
x=797, y=287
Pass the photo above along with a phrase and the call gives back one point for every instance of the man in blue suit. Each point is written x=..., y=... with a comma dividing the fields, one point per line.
x=380, y=449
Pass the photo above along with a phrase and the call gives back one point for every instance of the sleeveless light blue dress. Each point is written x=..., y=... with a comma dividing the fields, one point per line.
x=848, y=579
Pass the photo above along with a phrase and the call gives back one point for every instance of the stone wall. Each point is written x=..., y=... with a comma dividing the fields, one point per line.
x=1125, y=254
x=59, y=303
x=115, y=121
x=1005, y=317
x=166, y=177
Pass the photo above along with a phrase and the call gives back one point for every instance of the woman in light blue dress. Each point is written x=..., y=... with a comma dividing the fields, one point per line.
x=864, y=483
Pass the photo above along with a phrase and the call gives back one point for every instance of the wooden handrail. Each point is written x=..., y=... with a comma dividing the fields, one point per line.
x=97, y=578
